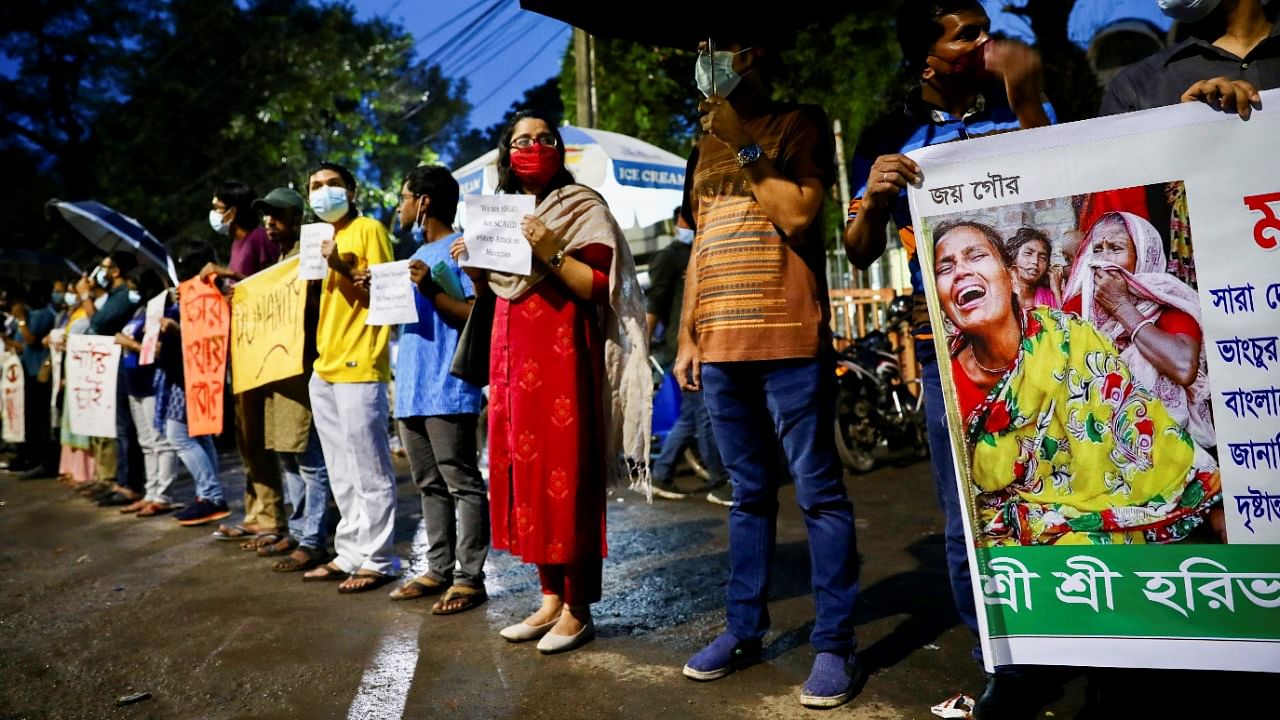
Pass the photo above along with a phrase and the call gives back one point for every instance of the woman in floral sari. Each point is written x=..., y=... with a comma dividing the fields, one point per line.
x=1064, y=447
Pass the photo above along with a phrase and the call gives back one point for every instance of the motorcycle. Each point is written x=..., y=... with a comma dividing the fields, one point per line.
x=875, y=406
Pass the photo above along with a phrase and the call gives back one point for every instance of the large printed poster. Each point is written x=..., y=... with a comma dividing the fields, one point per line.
x=1106, y=305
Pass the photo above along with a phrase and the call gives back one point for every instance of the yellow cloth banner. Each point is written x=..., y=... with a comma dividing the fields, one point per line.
x=268, y=335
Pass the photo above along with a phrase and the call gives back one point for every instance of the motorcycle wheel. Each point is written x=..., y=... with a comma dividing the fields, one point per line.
x=852, y=456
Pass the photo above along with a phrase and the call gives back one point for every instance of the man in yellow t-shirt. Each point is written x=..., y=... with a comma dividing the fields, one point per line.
x=349, y=390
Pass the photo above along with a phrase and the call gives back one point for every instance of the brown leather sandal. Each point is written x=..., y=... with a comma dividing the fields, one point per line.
x=364, y=581
x=421, y=586
x=303, y=558
x=283, y=546
x=459, y=598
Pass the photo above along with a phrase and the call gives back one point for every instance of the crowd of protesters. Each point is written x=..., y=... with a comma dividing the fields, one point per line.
x=564, y=350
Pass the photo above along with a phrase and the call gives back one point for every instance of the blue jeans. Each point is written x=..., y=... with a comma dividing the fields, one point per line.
x=749, y=403
x=200, y=459
x=306, y=489
x=693, y=420
x=944, y=482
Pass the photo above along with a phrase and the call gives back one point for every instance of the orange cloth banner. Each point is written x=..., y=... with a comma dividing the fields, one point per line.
x=206, y=321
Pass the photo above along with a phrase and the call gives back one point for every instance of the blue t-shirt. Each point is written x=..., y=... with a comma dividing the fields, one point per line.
x=921, y=125
x=40, y=322
x=424, y=386
x=139, y=380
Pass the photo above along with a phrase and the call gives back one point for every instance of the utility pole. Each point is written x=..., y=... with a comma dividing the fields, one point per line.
x=842, y=263
x=584, y=87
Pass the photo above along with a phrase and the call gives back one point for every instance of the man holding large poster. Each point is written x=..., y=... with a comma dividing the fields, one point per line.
x=1086, y=438
x=970, y=86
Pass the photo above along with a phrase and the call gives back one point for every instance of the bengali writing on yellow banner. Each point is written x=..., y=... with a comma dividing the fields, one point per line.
x=267, y=326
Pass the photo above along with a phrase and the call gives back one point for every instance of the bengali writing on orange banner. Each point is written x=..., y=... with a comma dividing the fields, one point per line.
x=206, y=321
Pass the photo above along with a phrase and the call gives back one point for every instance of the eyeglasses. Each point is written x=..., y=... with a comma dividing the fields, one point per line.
x=524, y=141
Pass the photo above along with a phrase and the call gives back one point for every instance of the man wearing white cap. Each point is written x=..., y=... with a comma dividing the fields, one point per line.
x=1232, y=53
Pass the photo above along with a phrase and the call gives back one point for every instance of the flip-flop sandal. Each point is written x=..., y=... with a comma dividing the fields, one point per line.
x=374, y=580
x=468, y=597
x=293, y=564
x=264, y=539
x=332, y=573
x=420, y=586
x=229, y=533
x=283, y=546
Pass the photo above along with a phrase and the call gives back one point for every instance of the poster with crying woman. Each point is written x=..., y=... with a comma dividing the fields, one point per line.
x=1106, y=303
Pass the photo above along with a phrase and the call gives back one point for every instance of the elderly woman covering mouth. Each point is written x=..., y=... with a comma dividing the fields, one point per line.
x=1064, y=447
x=1119, y=284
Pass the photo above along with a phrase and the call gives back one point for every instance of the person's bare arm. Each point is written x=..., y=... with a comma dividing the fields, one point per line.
x=1018, y=66
x=791, y=203
x=576, y=275
x=454, y=311
x=864, y=238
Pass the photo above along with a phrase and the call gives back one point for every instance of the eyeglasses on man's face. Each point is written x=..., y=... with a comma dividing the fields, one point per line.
x=524, y=141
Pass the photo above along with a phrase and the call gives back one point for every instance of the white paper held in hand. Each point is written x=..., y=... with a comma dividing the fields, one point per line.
x=391, y=300
x=493, y=236
x=311, y=264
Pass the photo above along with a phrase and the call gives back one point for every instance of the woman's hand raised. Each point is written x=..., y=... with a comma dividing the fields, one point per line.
x=458, y=251
x=1111, y=292
x=541, y=239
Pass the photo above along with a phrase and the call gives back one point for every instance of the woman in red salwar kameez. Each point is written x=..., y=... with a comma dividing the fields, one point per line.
x=569, y=387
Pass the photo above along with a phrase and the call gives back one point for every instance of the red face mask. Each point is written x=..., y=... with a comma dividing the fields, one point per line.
x=535, y=164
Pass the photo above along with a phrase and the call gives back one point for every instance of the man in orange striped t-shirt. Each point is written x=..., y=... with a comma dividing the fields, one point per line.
x=754, y=338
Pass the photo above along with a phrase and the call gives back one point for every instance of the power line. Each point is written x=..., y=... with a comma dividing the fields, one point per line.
x=501, y=86
x=448, y=22
x=468, y=47
x=482, y=54
x=480, y=21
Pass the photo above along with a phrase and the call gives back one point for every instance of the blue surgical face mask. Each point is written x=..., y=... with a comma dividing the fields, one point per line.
x=720, y=66
x=135, y=297
x=71, y=299
x=684, y=235
x=99, y=277
x=329, y=203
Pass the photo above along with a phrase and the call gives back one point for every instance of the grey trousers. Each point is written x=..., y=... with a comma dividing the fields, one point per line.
x=455, y=505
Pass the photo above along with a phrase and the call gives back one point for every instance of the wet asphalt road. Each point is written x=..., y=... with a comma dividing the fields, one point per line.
x=95, y=605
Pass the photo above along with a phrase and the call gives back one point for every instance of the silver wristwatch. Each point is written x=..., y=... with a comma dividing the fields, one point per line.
x=748, y=154
x=556, y=260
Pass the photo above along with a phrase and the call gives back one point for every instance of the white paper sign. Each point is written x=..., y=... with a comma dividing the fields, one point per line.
x=91, y=384
x=13, y=415
x=494, y=240
x=151, y=330
x=311, y=264
x=391, y=300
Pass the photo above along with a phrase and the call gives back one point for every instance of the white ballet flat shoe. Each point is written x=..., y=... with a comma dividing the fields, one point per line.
x=523, y=632
x=552, y=644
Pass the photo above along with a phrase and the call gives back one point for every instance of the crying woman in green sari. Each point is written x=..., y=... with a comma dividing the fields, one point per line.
x=1064, y=446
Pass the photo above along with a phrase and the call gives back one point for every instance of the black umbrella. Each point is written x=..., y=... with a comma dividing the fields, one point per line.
x=683, y=24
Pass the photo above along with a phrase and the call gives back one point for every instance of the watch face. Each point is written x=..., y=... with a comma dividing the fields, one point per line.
x=748, y=155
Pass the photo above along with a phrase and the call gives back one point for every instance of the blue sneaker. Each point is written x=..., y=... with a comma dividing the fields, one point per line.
x=724, y=655
x=831, y=682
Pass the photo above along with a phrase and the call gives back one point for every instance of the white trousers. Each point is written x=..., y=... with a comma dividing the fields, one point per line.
x=159, y=457
x=351, y=419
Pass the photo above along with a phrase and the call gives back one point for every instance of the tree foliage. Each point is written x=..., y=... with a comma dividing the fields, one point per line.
x=146, y=105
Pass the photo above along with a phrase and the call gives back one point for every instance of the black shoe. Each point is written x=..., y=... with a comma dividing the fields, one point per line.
x=1017, y=693
x=38, y=471
x=202, y=511
x=116, y=499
